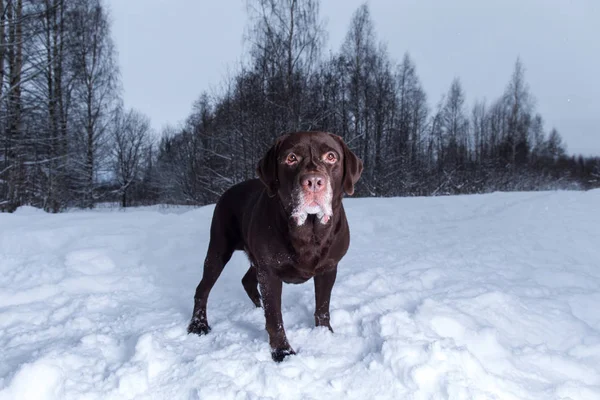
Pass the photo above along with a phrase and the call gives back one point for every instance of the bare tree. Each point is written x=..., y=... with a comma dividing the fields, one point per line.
x=286, y=37
x=14, y=168
x=536, y=140
x=131, y=136
x=359, y=53
x=456, y=124
x=479, y=128
x=95, y=74
x=519, y=104
x=49, y=95
x=555, y=149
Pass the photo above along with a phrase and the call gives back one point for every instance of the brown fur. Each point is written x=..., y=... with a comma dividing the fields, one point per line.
x=255, y=216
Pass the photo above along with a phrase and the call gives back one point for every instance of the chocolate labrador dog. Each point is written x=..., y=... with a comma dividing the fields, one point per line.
x=290, y=223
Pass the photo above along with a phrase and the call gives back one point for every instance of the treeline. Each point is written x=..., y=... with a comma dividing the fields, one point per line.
x=377, y=105
x=64, y=134
x=67, y=141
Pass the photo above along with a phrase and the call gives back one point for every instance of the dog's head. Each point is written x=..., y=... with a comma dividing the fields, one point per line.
x=309, y=171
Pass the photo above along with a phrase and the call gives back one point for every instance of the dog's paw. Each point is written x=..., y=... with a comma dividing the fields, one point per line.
x=323, y=321
x=256, y=302
x=198, y=327
x=279, y=355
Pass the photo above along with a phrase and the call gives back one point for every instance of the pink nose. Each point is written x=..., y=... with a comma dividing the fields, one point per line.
x=312, y=182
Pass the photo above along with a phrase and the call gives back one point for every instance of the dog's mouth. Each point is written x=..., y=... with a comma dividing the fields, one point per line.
x=309, y=203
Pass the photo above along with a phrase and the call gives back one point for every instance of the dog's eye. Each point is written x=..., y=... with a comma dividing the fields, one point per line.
x=291, y=159
x=330, y=157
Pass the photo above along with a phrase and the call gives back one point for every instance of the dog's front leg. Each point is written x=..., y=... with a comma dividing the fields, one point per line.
x=270, y=288
x=323, y=286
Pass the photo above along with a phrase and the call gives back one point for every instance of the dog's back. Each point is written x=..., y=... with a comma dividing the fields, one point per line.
x=235, y=204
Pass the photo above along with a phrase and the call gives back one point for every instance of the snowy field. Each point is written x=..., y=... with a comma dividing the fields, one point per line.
x=472, y=297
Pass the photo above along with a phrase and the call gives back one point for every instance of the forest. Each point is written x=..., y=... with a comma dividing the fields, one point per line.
x=68, y=140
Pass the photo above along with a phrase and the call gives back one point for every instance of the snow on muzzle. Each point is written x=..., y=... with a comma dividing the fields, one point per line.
x=313, y=196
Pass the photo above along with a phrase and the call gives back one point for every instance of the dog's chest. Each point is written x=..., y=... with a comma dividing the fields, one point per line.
x=302, y=265
x=300, y=253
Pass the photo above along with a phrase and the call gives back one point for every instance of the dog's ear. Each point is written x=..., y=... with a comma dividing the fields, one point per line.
x=353, y=167
x=267, y=168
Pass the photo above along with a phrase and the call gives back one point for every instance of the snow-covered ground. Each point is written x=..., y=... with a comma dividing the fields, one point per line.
x=473, y=297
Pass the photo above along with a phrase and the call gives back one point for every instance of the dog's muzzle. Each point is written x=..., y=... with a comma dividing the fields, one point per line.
x=313, y=197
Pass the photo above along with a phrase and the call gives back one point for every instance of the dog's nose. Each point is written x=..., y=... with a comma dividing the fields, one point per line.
x=313, y=182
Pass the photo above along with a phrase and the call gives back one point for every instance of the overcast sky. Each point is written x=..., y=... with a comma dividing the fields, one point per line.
x=172, y=50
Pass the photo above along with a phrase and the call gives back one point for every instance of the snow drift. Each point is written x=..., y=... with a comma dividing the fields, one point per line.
x=472, y=297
